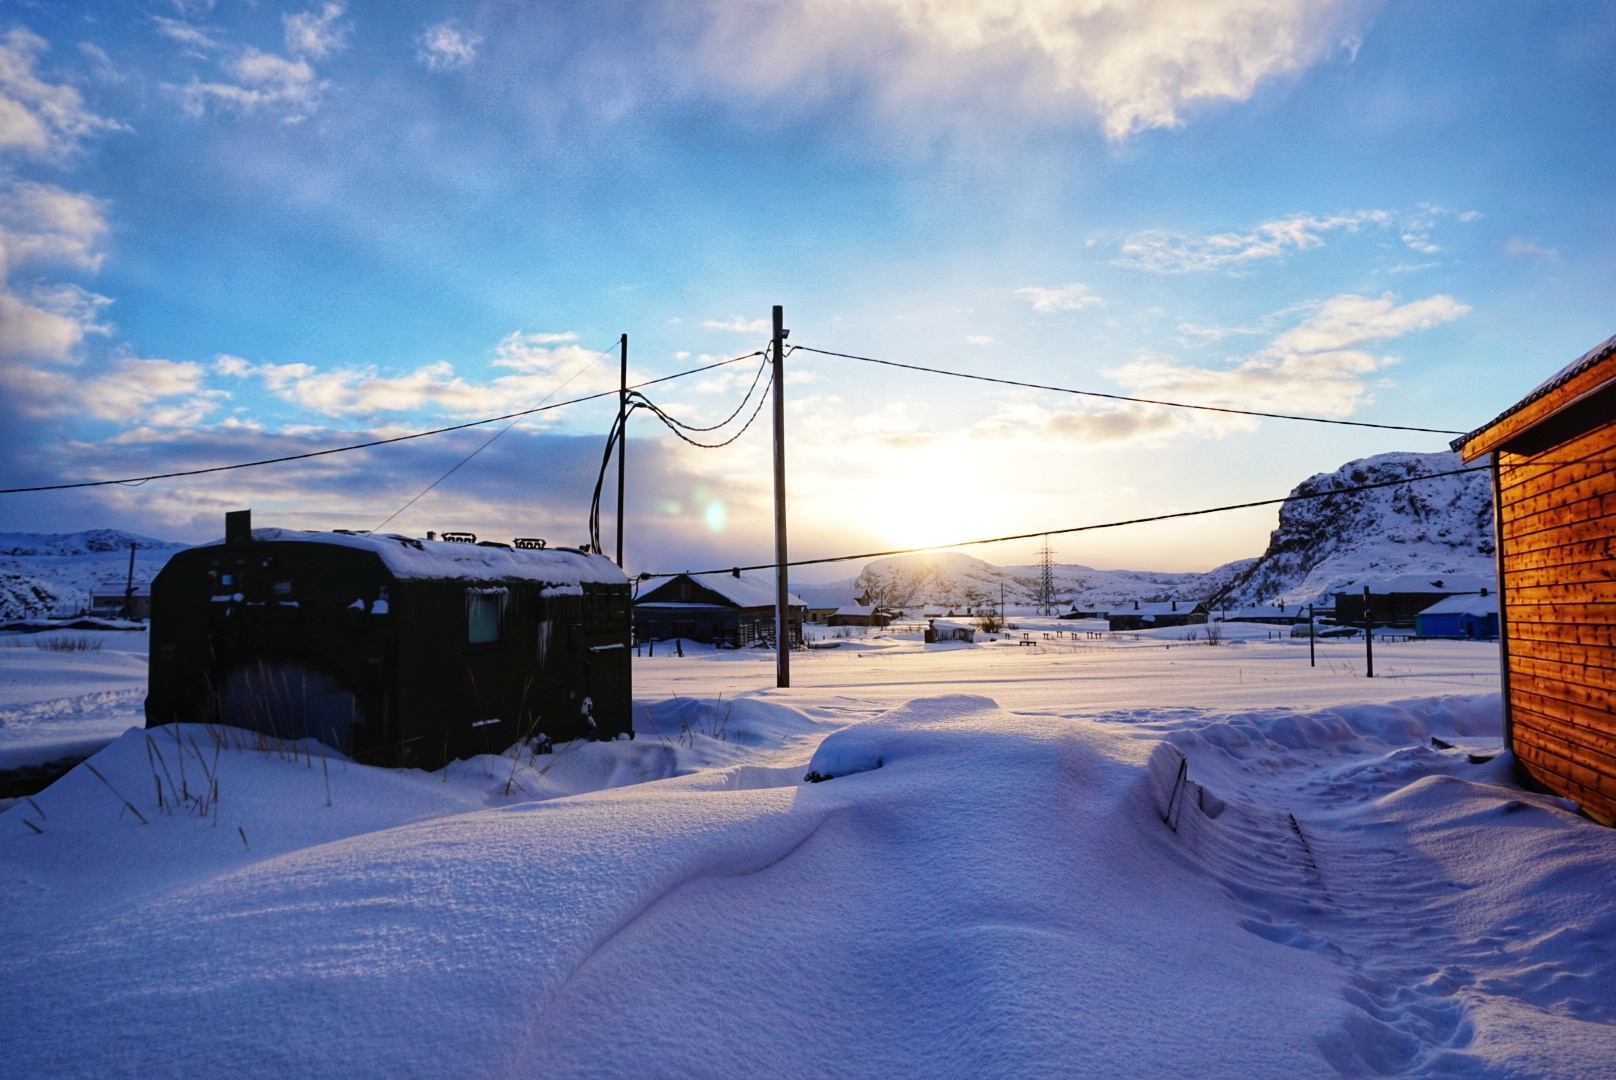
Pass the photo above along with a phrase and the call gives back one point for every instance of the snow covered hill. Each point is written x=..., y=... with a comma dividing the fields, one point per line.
x=954, y=580
x=42, y=574
x=1441, y=527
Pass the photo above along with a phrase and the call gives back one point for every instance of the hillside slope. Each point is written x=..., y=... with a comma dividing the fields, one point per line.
x=1440, y=527
x=45, y=574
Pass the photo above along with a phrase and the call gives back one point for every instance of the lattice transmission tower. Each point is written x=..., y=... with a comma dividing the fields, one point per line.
x=1046, y=579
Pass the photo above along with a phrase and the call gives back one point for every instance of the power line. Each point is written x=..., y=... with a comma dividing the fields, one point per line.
x=1091, y=528
x=489, y=441
x=375, y=442
x=1124, y=397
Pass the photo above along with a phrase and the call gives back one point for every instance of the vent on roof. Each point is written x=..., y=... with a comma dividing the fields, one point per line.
x=529, y=543
x=459, y=538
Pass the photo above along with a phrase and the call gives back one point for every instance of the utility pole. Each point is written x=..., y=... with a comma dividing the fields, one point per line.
x=1312, y=658
x=782, y=592
x=129, y=585
x=622, y=440
x=1368, y=634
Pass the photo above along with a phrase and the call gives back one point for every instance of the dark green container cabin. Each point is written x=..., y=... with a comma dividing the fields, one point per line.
x=393, y=650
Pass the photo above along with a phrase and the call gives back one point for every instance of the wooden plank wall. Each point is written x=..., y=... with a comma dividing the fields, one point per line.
x=1557, y=509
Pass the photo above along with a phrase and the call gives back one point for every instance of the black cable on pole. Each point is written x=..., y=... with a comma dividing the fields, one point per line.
x=714, y=427
x=660, y=415
x=1091, y=528
x=136, y=480
x=1125, y=397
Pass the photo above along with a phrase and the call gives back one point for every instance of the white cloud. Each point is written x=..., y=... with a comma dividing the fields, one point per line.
x=1520, y=247
x=1314, y=367
x=39, y=119
x=1133, y=64
x=197, y=40
x=1174, y=253
x=740, y=325
x=540, y=373
x=445, y=46
x=317, y=35
x=1073, y=297
x=263, y=81
x=978, y=339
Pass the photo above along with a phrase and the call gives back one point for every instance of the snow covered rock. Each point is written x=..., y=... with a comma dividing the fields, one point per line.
x=1439, y=527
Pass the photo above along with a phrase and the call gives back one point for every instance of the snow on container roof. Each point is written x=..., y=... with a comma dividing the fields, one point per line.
x=408, y=558
x=746, y=590
x=1465, y=604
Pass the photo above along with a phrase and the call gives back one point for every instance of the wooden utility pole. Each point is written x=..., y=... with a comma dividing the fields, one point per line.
x=1312, y=657
x=1368, y=634
x=782, y=592
x=622, y=440
x=129, y=585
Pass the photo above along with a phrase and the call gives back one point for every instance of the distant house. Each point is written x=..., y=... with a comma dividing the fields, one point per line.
x=823, y=601
x=1150, y=616
x=944, y=630
x=1277, y=615
x=1553, y=458
x=858, y=615
x=1468, y=615
x=733, y=610
x=1396, y=601
x=114, y=600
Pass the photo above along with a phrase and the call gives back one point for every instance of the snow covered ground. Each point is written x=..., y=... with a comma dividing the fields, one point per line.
x=1078, y=857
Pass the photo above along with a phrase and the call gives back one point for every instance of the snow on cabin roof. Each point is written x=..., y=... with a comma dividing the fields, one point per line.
x=748, y=590
x=1164, y=607
x=409, y=558
x=1587, y=360
x=1419, y=583
x=856, y=609
x=827, y=596
x=1465, y=604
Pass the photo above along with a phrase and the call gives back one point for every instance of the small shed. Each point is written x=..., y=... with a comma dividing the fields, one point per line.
x=733, y=609
x=945, y=630
x=117, y=600
x=1394, y=601
x=395, y=651
x=823, y=601
x=859, y=615
x=1468, y=615
x=1149, y=616
x=1553, y=463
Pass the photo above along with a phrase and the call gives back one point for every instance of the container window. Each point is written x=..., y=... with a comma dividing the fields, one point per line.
x=485, y=615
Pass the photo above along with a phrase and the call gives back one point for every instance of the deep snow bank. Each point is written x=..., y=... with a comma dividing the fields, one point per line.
x=1001, y=896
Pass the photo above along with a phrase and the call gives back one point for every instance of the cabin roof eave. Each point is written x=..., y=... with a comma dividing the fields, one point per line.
x=1583, y=376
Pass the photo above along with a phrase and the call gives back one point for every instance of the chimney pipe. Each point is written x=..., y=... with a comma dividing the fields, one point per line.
x=238, y=527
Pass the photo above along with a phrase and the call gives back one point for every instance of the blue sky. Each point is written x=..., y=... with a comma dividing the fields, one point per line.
x=233, y=230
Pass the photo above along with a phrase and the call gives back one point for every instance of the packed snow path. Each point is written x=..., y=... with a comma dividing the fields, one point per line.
x=985, y=887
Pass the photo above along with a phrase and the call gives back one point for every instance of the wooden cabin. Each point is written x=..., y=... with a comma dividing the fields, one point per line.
x=940, y=630
x=1553, y=458
x=859, y=615
x=732, y=610
x=393, y=650
x=1150, y=616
